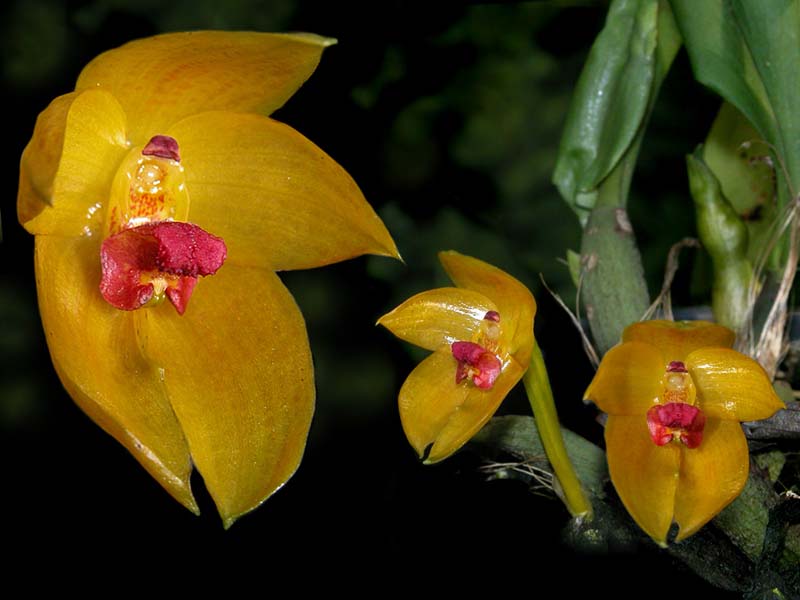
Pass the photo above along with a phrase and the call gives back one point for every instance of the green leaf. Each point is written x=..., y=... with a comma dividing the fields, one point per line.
x=721, y=60
x=614, y=290
x=748, y=52
x=771, y=32
x=610, y=102
x=736, y=154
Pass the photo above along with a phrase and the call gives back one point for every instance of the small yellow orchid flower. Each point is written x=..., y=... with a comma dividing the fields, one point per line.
x=675, y=393
x=159, y=169
x=481, y=336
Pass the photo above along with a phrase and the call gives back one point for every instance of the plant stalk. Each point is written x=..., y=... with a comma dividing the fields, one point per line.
x=540, y=395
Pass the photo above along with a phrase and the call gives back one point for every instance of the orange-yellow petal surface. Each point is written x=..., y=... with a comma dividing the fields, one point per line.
x=434, y=409
x=731, y=385
x=676, y=339
x=160, y=80
x=514, y=301
x=644, y=475
x=94, y=143
x=438, y=317
x=95, y=352
x=39, y=163
x=238, y=371
x=629, y=379
x=711, y=475
x=295, y=207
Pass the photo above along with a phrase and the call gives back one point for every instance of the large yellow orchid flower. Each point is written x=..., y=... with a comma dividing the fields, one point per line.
x=159, y=169
x=481, y=336
x=675, y=393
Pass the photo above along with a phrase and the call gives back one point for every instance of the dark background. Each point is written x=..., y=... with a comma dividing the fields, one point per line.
x=448, y=116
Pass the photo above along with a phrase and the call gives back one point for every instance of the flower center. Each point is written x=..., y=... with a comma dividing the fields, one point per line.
x=676, y=418
x=150, y=252
x=676, y=421
x=149, y=186
x=478, y=361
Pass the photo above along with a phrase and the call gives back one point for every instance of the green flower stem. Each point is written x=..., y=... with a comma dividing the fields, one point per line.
x=537, y=385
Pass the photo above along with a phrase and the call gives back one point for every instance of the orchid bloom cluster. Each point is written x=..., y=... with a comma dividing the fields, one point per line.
x=162, y=177
x=675, y=393
x=481, y=336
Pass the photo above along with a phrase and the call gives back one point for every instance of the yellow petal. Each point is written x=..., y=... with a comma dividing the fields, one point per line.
x=644, y=475
x=39, y=163
x=94, y=349
x=731, y=385
x=676, y=339
x=437, y=317
x=514, y=301
x=434, y=409
x=294, y=207
x=94, y=143
x=162, y=79
x=711, y=475
x=237, y=369
x=629, y=379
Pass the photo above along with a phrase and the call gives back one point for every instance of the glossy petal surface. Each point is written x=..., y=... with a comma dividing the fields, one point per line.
x=95, y=351
x=629, y=379
x=731, y=385
x=296, y=208
x=434, y=410
x=644, y=475
x=238, y=371
x=676, y=339
x=162, y=79
x=438, y=317
x=711, y=475
x=94, y=143
x=39, y=163
x=514, y=301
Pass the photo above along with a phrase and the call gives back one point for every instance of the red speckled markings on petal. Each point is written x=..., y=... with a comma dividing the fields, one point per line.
x=142, y=264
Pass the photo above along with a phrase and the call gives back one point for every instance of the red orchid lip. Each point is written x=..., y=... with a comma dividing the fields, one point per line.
x=169, y=252
x=476, y=362
x=676, y=419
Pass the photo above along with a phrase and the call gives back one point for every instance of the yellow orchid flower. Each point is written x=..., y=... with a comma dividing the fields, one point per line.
x=160, y=168
x=675, y=393
x=481, y=336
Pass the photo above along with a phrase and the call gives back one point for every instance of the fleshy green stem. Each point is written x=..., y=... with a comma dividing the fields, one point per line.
x=537, y=385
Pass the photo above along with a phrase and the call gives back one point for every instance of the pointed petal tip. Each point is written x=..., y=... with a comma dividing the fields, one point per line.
x=381, y=319
x=431, y=455
x=432, y=460
x=315, y=39
x=228, y=521
x=683, y=533
x=388, y=248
